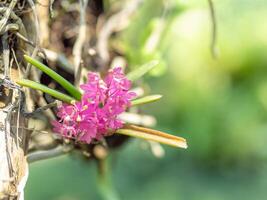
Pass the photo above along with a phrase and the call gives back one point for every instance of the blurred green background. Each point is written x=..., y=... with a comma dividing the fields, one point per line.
x=218, y=105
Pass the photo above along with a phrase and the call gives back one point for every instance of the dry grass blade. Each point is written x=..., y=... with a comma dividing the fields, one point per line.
x=154, y=135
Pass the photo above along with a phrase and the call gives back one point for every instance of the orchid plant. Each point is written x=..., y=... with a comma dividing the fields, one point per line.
x=92, y=113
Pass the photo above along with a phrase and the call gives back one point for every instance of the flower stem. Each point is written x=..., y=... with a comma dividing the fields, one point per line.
x=43, y=88
x=106, y=188
x=62, y=81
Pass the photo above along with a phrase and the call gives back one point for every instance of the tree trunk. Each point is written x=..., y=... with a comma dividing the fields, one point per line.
x=13, y=126
x=13, y=145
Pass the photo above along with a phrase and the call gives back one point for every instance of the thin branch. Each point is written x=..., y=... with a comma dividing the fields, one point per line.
x=60, y=59
x=42, y=155
x=6, y=55
x=23, y=38
x=37, y=41
x=41, y=109
x=41, y=100
x=51, y=8
x=115, y=23
x=7, y=14
x=79, y=43
x=214, y=29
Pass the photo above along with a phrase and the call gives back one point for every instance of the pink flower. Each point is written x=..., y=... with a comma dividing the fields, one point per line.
x=97, y=113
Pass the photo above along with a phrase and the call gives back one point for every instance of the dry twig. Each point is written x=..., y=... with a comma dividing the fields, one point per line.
x=79, y=44
x=214, y=29
x=115, y=23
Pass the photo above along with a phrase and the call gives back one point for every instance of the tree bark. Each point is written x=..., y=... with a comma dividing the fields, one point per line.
x=13, y=126
x=13, y=147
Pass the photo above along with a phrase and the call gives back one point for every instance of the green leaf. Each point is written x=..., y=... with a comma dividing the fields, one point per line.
x=146, y=99
x=62, y=81
x=43, y=88
x=153, y=135
x=142, y=70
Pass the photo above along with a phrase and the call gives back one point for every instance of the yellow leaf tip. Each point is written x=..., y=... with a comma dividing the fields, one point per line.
x=159, y=96
x=182, y=145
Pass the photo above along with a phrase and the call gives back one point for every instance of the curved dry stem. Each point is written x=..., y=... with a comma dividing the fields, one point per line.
x=214, y=29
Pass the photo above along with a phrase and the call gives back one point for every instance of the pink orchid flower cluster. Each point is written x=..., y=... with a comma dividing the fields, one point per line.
x=96, y=114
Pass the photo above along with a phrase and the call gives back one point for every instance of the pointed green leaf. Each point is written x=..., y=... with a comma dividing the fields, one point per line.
x=153, y=135
x=43, y=88
x=62, y=81
x=146, y=99
x=142, y=70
